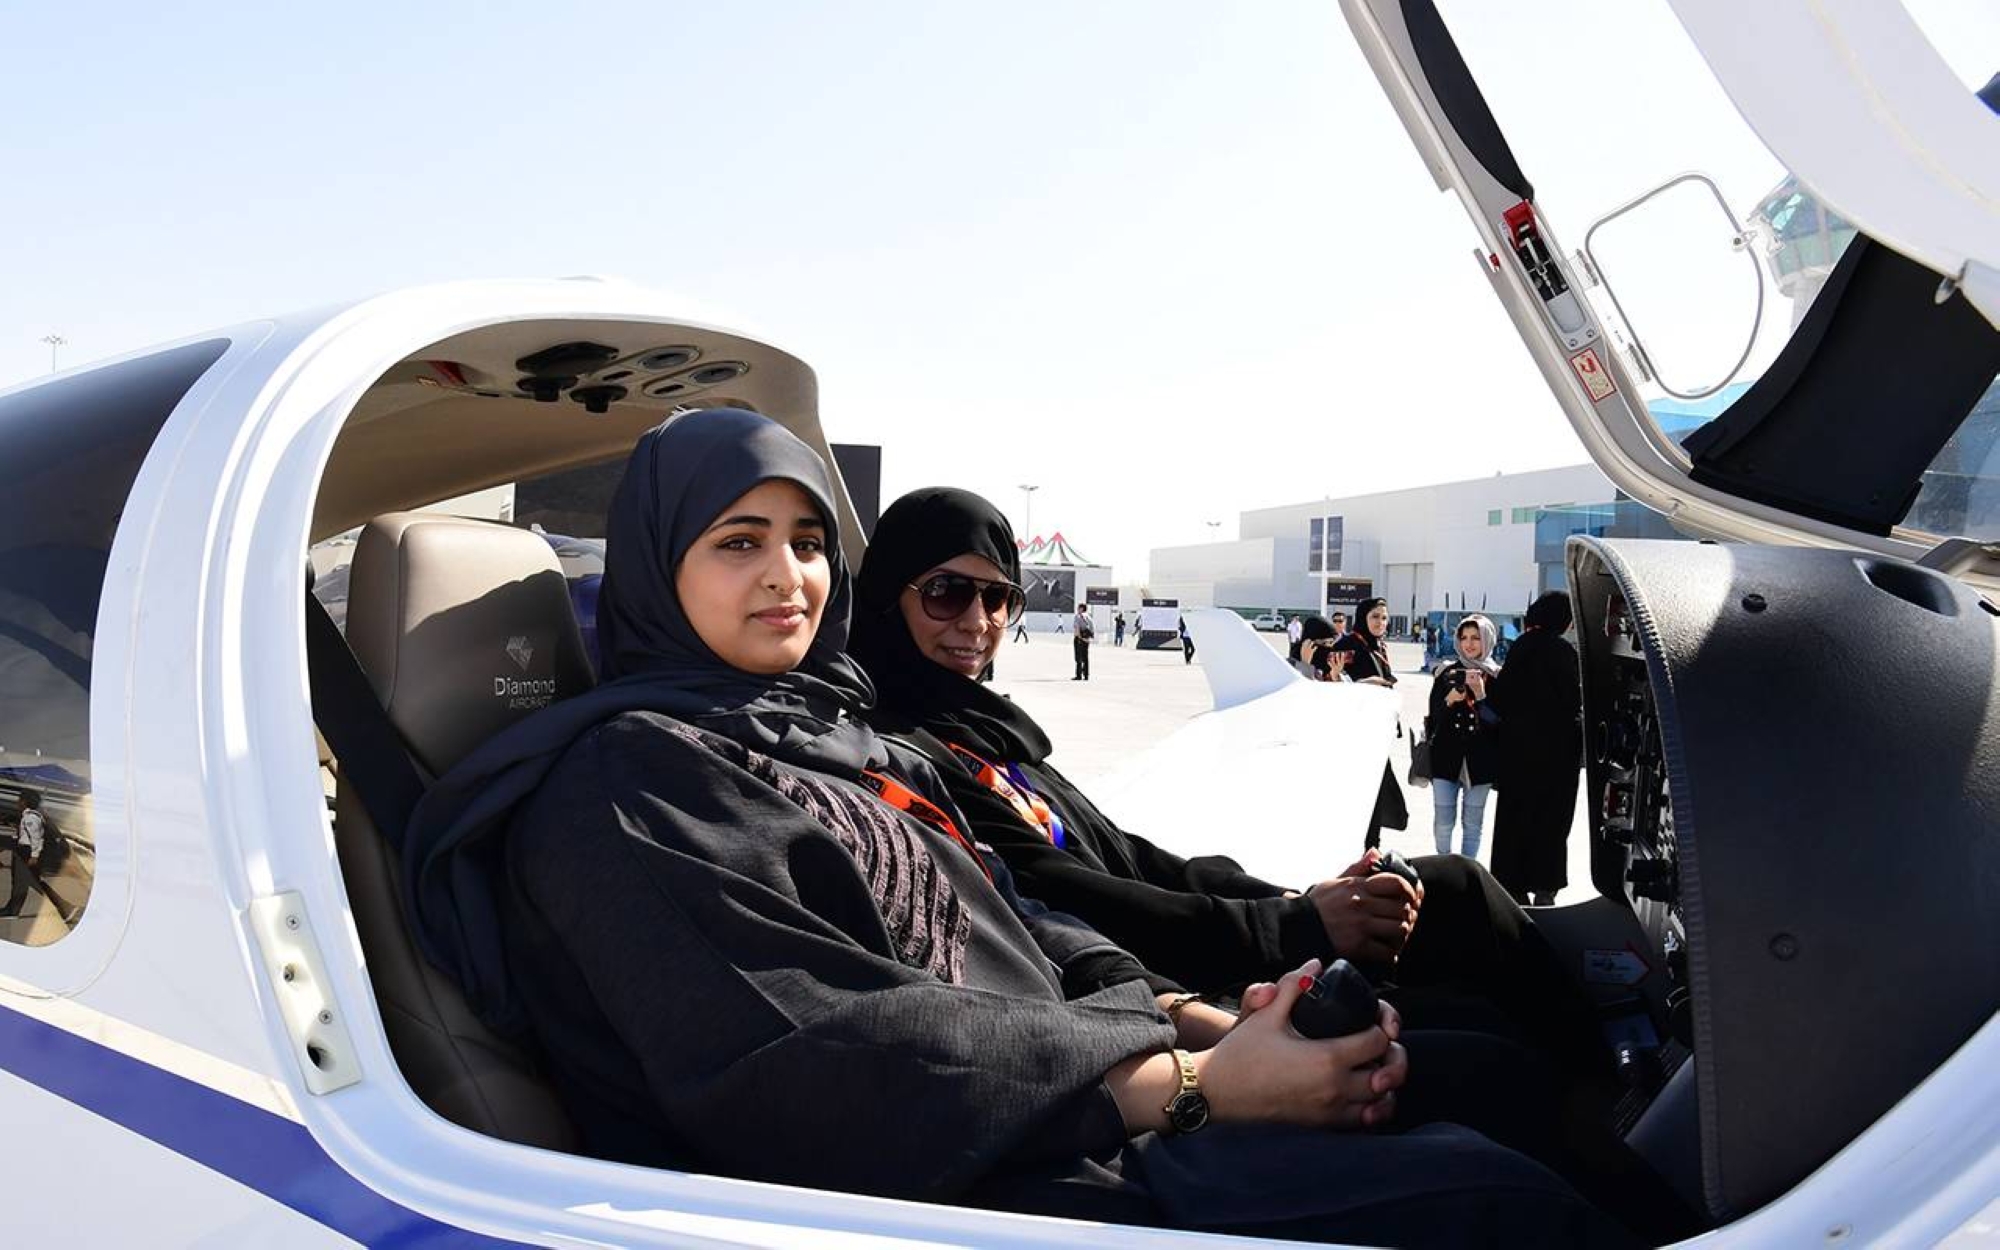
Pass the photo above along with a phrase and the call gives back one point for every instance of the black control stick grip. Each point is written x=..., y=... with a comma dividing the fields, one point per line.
x=1392, y=862
x=1338, y=1002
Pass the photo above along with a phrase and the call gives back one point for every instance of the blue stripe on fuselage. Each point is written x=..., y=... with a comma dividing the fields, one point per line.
x=268, y=1153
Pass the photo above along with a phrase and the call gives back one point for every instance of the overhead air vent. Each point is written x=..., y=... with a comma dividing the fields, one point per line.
x=721, y=371
x=662, y=359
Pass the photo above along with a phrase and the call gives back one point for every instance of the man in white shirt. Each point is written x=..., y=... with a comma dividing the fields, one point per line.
x=1294, y=631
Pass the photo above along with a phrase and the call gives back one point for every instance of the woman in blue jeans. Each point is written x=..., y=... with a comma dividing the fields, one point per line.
x=1464, y=751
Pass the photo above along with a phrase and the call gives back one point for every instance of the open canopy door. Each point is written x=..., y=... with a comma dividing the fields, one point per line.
x=1883, y=396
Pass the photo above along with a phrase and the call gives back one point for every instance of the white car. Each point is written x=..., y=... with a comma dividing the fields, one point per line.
x=1269, y=623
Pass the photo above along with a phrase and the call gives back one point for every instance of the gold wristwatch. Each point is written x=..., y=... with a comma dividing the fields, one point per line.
x=1187, y=1112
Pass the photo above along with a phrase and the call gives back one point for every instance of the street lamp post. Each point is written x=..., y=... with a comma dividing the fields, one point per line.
x=55, y=342
x=1028, y=513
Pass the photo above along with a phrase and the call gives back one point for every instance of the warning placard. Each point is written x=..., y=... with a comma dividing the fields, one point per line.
x=1606, y=967
x=1590, y=371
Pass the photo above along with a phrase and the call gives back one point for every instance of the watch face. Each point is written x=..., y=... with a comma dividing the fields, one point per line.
x=1188, y=1111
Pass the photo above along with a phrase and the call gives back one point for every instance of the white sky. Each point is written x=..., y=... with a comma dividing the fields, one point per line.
x=1169, y=260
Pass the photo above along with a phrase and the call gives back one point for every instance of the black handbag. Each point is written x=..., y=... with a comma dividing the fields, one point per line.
x=1420, y=758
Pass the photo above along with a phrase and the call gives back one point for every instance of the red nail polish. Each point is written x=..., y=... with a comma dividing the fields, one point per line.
x=1305, y=983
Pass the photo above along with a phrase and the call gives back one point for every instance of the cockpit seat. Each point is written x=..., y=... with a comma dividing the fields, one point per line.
x=462, y=627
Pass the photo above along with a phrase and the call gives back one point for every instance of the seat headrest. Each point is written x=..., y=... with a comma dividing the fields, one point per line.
x=463, y=628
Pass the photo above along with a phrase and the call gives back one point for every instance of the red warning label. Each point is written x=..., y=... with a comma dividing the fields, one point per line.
x=1590, y=371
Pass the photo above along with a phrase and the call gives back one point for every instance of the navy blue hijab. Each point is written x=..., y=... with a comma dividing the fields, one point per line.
x=678, y=481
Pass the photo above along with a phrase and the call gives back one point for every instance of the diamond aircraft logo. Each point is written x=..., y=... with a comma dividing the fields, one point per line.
x=519, y=650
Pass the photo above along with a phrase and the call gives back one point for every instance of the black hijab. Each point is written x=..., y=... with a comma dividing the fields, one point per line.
x=680, y=477
x=1375, y=641
x=1317, y=628
x=1551, y=612
x=920, y=531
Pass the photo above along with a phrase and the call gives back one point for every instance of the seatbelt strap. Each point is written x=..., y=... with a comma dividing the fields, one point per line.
x=373, y=757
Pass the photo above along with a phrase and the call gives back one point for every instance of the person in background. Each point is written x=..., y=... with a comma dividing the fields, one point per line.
x=1187, y=643
x=1537, y=697
x=1118, y=630
x=1317, y=660
x=1465, y=758
x=1294, y=632
x=38, y=848
x=1080, y=642
x=1021, y=628
x=1368, y=645
x=1367, y=652
x=1339, y=626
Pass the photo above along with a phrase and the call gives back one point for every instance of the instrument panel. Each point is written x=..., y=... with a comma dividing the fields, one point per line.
x=1785, y=764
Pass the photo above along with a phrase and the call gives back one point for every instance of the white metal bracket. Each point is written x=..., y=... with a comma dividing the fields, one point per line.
x=292, y=961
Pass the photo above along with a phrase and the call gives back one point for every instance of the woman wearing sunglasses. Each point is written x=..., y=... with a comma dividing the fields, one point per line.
x=933, y=599
x=750, y=936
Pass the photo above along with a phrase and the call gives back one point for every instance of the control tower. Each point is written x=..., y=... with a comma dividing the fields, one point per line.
x=1803, y=241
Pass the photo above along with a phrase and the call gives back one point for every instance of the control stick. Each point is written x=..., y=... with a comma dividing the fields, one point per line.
x=1391, y=862
x=1338, y=1002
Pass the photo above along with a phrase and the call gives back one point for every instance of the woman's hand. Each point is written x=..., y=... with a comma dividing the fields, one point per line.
x=1475, y=684
x=1366, y=918
x=1454, y=697
x=1263, y=1072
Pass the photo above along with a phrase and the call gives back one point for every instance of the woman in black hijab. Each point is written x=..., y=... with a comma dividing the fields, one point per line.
x=751, y=936
x=1367, y=646
x=1366, y=651
x=932, y=601
x=1538, y=697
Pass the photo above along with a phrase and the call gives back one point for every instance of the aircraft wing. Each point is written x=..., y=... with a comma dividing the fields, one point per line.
x=1281, y=776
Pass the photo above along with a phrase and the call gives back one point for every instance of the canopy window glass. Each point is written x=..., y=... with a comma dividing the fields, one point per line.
x=1879, y=409
x=72, y=452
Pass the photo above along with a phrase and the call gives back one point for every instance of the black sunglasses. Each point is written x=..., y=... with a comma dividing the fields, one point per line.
x=946, y=596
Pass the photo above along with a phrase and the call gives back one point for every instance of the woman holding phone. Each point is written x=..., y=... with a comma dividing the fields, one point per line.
x=1465, y=755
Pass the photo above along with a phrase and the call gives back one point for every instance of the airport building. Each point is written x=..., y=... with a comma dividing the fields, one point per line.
x=1488, y=544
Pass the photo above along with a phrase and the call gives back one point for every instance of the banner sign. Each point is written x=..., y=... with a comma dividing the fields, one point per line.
x=1051, y=590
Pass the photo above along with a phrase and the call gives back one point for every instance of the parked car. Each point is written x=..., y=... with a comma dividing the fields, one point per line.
x=1268, y=623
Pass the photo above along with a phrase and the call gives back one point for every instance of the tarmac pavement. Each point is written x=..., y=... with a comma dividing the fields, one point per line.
x=1135, y=699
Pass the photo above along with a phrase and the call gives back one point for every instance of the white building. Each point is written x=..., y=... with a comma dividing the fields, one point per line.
x=1491, y=543
x=1268, y=571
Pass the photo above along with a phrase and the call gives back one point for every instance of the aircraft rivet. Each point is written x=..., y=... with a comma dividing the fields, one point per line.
x=1784, y=947
x=291, y=922
x=1753, y=603
x=290, y=973
x=326, y=1017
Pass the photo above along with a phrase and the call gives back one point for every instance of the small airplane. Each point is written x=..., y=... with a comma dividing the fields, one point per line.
x=214, y=1028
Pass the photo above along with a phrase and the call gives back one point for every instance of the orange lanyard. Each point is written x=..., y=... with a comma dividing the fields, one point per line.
x=904, y=799
x=1012, y=787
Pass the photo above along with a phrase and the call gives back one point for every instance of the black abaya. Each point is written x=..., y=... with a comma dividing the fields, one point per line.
x=1537, y=697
